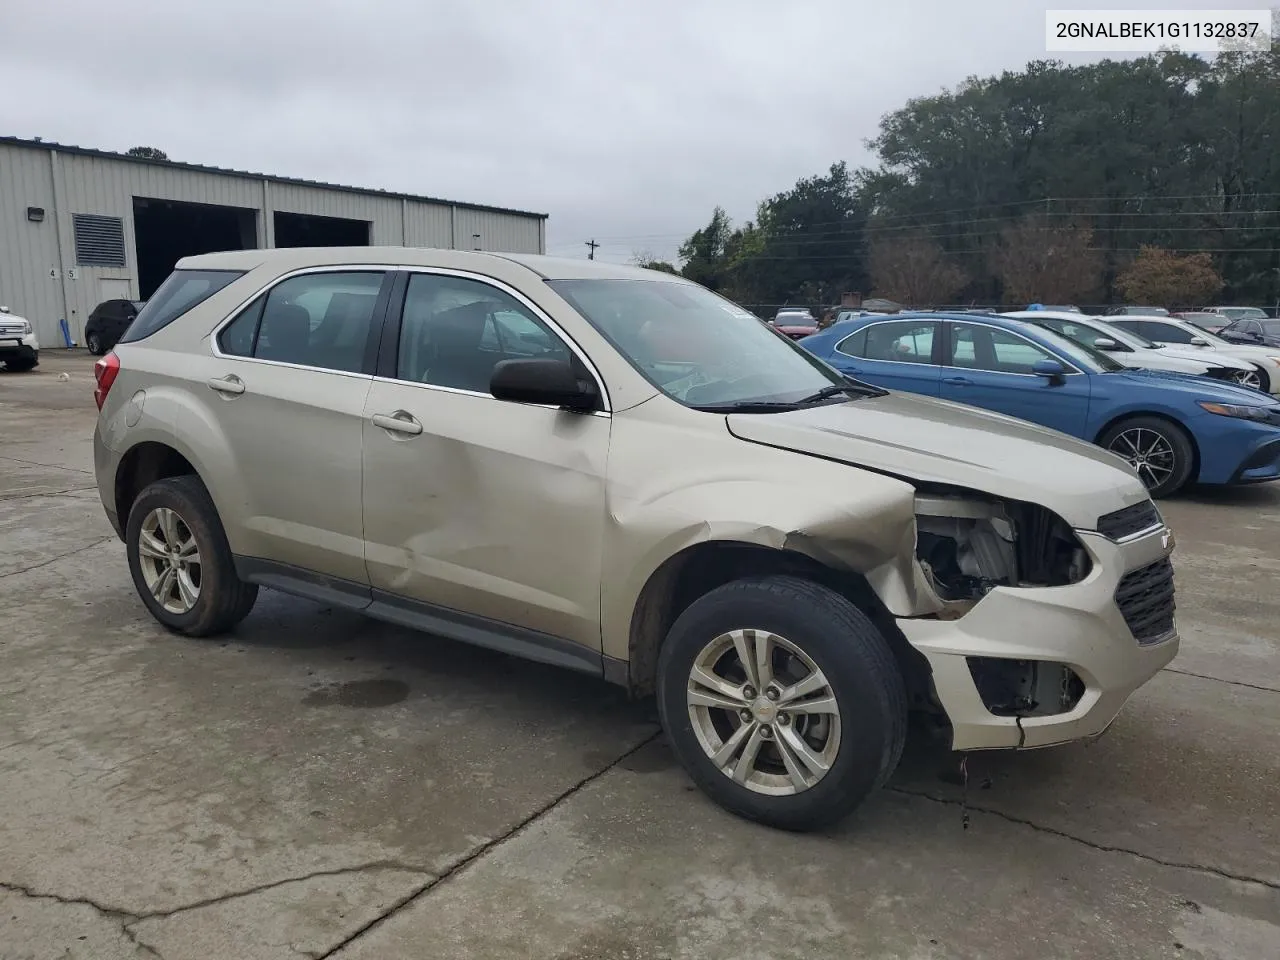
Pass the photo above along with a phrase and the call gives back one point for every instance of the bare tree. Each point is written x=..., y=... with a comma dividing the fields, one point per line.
x=1048, y=263
x=914, y=270
x=648, y=260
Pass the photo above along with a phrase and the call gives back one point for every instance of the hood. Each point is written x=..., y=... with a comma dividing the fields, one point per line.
x=1201, y=355
x=1244, y=351
x=1159, y=360
x=918, y=438
x=1201, y=388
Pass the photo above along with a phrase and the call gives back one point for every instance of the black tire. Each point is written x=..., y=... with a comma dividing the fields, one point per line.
x=22, y=364
x=1184, y=456
x=94, y=343
x=224, y=599
x=857, y=663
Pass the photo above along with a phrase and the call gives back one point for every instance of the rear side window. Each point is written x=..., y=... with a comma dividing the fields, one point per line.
x=316, y=320
x=181, y=291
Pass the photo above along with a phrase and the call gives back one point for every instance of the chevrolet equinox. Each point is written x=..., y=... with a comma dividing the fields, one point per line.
x=617, y=471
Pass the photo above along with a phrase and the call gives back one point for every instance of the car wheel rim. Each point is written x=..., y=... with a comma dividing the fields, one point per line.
x=93, y=343
x=1249, y=378
x=763, y=712
x=1149, y=452
x=170, y=560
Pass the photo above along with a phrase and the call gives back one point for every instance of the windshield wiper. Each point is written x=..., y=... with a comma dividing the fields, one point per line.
x=747, y=406
x=851, y=388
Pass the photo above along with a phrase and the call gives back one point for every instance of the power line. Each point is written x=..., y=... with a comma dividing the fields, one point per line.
x=591, y=245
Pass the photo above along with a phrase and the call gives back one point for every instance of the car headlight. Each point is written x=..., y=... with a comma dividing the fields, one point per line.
x=1239, y=410
x=26, y=328
x=1275, y=360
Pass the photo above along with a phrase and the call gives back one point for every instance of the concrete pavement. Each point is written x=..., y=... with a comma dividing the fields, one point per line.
x=321, y=785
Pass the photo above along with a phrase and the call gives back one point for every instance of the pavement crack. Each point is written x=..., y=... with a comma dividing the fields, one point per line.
x=485, y=848
x=50, y=466
x=1092, y=844
x=61, y=556
x=50, y=493
x=111, y=913
x=273, y=884
x=1234, y=683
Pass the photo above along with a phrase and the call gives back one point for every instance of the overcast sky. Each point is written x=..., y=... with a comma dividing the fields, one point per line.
x=624, y=121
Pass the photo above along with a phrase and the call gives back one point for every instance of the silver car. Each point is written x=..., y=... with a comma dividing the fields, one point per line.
x=619, y=472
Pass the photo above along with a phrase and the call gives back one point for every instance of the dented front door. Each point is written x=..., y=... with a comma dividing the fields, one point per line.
x=476, y=504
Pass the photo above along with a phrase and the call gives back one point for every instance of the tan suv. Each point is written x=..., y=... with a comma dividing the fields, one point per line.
x=617, y=471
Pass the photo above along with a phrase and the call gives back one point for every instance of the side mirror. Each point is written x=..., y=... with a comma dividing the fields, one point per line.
x=1198, y=342
x=1105, y=343
x=1051, y=369
x=543, y=381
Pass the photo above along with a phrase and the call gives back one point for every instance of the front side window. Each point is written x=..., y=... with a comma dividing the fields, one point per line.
x=456, y=330
x=1166, y=332
x=998, y=351
x=315, y=320
x=181, y=291
x=696, y=347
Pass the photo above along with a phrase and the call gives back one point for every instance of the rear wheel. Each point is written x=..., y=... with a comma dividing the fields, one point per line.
x=1160, y=451
x=782, y=701
x=94, y=343
x=181, y=562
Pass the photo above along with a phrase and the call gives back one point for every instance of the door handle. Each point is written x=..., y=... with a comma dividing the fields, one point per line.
x=958, y=381
x=230, y=384
x=398, y=422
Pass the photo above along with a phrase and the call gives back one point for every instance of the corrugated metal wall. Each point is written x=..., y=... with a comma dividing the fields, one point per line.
x=35, y=282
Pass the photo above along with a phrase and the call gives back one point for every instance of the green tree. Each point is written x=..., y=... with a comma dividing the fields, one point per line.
x=647, y=260
x=147, y=153
x=703, y=254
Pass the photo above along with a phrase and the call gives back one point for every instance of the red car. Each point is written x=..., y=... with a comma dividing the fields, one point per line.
x=795, y=323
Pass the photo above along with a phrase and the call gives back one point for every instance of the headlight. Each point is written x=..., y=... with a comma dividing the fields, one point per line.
x=26, y=328
x=1275, y=360
x=1239, y=410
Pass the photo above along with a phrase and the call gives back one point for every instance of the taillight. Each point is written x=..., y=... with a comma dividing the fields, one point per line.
x=105, y=372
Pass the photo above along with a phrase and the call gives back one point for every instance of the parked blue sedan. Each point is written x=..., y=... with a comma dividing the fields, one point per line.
x=1172, y=428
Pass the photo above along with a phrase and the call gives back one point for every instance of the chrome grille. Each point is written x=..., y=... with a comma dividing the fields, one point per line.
x=1145, y=598
x=1130, y=520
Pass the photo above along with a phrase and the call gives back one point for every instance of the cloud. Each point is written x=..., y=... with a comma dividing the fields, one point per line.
x=627, y=122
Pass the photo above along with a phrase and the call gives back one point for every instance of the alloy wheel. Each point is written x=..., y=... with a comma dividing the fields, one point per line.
x=1249, y=378
x=1148, y=452
x=170, y=560
x=763, y=712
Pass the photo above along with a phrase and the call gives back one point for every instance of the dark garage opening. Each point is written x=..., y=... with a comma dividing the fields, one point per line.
x=165, y=231
x=307, y=230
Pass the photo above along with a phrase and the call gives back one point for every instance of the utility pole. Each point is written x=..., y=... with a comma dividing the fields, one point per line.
x=591, y=244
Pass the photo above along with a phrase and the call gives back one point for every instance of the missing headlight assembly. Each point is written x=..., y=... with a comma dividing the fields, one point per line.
x=969, y=544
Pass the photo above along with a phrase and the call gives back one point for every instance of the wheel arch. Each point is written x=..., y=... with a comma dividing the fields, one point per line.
x=697, y=569
x=1156, y=415
x=142, y=465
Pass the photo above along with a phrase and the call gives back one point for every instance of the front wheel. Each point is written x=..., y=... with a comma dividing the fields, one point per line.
x=22, y=364
x=1252, y=377
x=782, y=701
x=1157, y=449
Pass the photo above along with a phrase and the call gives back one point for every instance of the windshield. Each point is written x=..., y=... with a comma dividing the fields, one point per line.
x=697, y=347
x=1244, y=313
x=1128, y=337
x=1084, y=357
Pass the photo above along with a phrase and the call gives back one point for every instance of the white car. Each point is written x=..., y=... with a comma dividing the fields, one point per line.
x=1137, y=352
x=19, y=348
x=1179, y=333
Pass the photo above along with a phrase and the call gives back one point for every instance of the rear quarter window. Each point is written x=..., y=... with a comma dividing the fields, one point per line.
x=182, y=291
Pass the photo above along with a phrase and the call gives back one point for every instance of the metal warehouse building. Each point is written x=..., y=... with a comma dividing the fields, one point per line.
x=81, y=226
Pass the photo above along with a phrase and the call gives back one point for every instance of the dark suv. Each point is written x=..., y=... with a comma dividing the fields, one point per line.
x=108, y=322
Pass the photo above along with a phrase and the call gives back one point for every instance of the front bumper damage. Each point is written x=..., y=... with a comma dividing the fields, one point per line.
x=1078, y=626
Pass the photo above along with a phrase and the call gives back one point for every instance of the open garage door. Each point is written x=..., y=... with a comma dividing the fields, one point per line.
x=165, y=231
x=308, y=230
